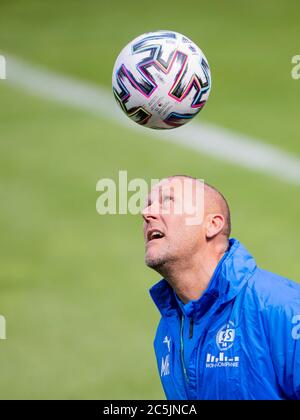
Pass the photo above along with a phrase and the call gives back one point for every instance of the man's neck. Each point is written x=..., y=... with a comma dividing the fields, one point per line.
x=189, y=279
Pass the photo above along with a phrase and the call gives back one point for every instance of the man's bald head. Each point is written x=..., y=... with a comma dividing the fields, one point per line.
x=175, y=239
x=214, y=202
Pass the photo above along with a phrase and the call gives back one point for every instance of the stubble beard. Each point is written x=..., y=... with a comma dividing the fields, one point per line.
x=160, y=263
x=156, y=263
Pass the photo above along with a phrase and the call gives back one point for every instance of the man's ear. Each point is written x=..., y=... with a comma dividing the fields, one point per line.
x=214, y=225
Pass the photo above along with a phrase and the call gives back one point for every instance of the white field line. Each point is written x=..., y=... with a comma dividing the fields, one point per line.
x=205, y=138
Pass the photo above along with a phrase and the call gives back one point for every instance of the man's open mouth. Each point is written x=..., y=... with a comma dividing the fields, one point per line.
x=153, y=234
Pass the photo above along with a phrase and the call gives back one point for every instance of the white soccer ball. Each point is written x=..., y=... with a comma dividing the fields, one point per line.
x=161, y=80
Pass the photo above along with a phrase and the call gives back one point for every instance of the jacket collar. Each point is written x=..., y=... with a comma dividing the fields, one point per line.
x=230, y=275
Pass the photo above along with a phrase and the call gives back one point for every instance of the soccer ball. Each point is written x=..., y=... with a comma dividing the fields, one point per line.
x=161, y=80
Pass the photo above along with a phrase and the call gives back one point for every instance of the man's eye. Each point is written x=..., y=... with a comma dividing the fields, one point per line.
x=168, y=198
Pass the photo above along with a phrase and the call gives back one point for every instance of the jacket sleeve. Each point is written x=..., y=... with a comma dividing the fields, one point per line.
x=284, y=328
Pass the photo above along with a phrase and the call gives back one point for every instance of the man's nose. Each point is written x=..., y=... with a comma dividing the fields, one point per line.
x=149, y=213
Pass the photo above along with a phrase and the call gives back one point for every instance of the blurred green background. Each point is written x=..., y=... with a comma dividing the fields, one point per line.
x=74, y=289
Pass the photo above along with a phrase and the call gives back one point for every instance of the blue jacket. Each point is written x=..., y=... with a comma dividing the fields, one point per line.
x=240, y=340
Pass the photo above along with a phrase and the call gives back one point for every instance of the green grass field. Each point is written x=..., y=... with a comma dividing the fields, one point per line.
x=74, y=289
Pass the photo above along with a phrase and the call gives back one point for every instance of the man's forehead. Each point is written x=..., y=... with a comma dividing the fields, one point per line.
x=175, y=182
x=188, y=199
x=162, y=185
x=175, y=185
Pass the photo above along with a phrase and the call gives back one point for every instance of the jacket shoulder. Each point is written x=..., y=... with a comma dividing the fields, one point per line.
x=270, y=289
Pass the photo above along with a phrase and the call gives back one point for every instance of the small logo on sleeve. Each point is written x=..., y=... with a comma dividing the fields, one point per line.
x=165, y=366
x=165, y=361
x=167, y=341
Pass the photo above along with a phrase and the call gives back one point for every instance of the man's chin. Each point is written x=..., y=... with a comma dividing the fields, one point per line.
x=154, y=262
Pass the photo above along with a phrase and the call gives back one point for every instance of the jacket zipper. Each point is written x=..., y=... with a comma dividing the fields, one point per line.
x=191, y=331
x=182, y=351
